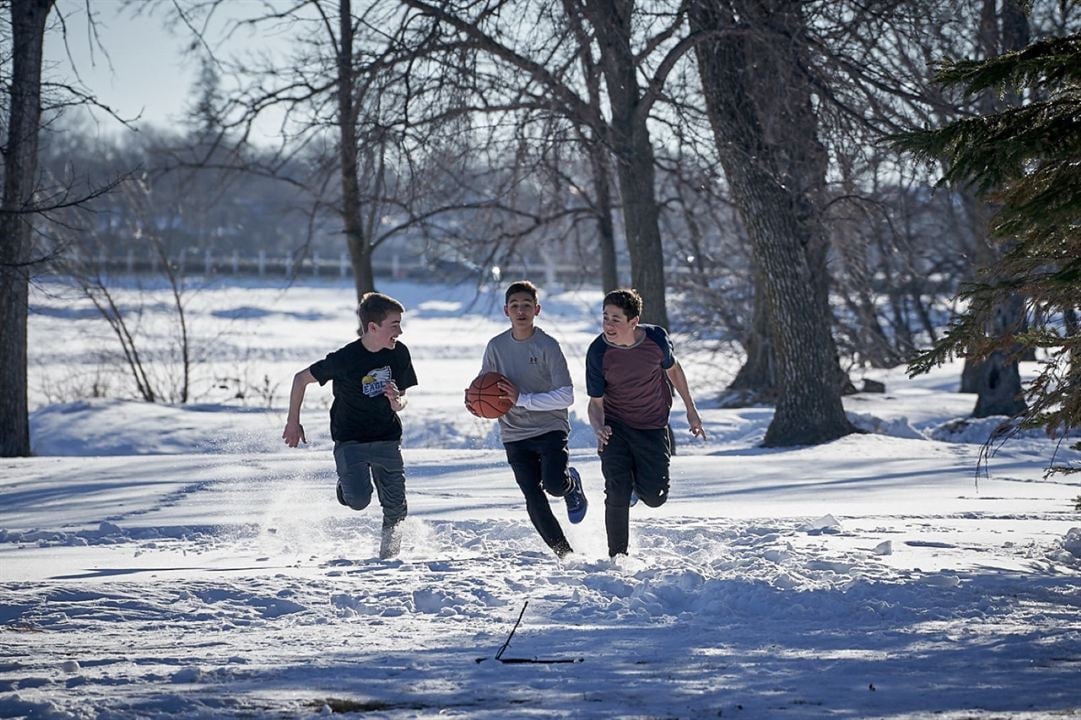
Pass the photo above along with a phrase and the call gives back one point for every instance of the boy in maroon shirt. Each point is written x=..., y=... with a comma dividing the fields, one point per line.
x=630, y=373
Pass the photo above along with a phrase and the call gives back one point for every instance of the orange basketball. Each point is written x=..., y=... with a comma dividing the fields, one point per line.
x=483, y=396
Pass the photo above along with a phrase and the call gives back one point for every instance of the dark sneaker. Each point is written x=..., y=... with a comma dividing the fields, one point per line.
x=562, y=549
x=341, y=497
x=634, y=499
x=575, y=498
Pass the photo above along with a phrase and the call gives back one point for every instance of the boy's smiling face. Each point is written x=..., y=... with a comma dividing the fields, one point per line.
x=521, y=309
x=384, y=335
x=618, y=328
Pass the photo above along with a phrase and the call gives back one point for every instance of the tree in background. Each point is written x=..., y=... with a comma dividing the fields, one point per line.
x=996, y=378
x=20, y=153
x=763, y=117
x=338, y=94
x=633, y=48
x=1025, y=160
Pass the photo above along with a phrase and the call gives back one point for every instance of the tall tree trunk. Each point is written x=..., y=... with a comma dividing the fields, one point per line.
x=16, y=219
x=633, y=150
x=606, y=235
x=996, y=379
x=756, y=381
x=598, y=163
x=360, y=251
x=765, y=129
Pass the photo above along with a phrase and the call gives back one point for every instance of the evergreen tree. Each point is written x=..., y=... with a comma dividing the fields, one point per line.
x=1027, y=161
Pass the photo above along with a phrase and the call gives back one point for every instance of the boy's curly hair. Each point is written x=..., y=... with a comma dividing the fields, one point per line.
x=626, y=299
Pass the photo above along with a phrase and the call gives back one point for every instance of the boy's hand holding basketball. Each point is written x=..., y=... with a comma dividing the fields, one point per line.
x=509, y=391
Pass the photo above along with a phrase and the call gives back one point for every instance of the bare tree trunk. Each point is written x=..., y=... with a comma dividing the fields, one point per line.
x=756, y=381
x=631, y=145
x=598, y=163
x=765, y=129
x=360, y=252
x=996, y=379
x=606, y=234
x=20, y=173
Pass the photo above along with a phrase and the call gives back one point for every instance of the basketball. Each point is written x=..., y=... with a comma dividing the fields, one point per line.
x=483, y=396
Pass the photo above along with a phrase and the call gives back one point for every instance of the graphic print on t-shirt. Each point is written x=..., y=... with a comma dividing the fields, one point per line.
x=376, y=380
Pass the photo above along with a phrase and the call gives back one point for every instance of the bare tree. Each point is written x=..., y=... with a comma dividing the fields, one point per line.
x=20, y=155
x=996, y=378
x=164, y=377
x=543, y=69
x=764, y=121
x=333, y=90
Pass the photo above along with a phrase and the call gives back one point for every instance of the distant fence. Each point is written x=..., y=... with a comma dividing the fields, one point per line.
x=314, y=265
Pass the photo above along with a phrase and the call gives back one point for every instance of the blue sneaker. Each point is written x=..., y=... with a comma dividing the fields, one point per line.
x=634, y=498
x=575, y=498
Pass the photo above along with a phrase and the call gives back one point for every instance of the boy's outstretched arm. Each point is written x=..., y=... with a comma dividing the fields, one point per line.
x=294, y=431
x=679, y=382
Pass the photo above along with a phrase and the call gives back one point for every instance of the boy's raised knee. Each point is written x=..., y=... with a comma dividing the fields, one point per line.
x=353, y=501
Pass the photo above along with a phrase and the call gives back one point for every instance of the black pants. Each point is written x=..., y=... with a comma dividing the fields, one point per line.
x=632, y=459
x=540, y=465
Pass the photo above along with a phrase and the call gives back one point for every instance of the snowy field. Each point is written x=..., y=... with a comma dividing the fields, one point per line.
x=180, y=562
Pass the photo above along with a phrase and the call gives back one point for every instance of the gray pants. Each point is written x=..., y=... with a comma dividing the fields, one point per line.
x=359, y=464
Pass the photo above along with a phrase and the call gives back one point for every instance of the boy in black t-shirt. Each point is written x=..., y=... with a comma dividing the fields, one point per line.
x=370, y=377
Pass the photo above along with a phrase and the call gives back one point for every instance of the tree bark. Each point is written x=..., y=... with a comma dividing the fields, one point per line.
x=598, y=163
x=765, y=128
x=606, y=234
x=756, y=380
x=16, y=219
x=996, y=379
x=360, y=251
x=633, y=150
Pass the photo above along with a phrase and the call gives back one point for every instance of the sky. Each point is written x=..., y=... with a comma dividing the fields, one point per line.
x=145, y=74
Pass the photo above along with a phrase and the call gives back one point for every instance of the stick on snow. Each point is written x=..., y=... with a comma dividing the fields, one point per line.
x=525, y=661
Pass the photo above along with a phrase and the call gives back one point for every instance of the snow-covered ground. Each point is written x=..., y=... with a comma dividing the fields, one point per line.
x=179, y=561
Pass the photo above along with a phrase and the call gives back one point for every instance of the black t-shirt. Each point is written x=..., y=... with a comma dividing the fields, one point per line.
x=361, y=411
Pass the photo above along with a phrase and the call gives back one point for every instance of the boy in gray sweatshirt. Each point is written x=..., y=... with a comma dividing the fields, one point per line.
x=534, y=431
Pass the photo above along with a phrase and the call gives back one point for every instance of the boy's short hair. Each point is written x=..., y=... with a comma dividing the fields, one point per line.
x=521, y=286
x=374, y=307
x=626, y=299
